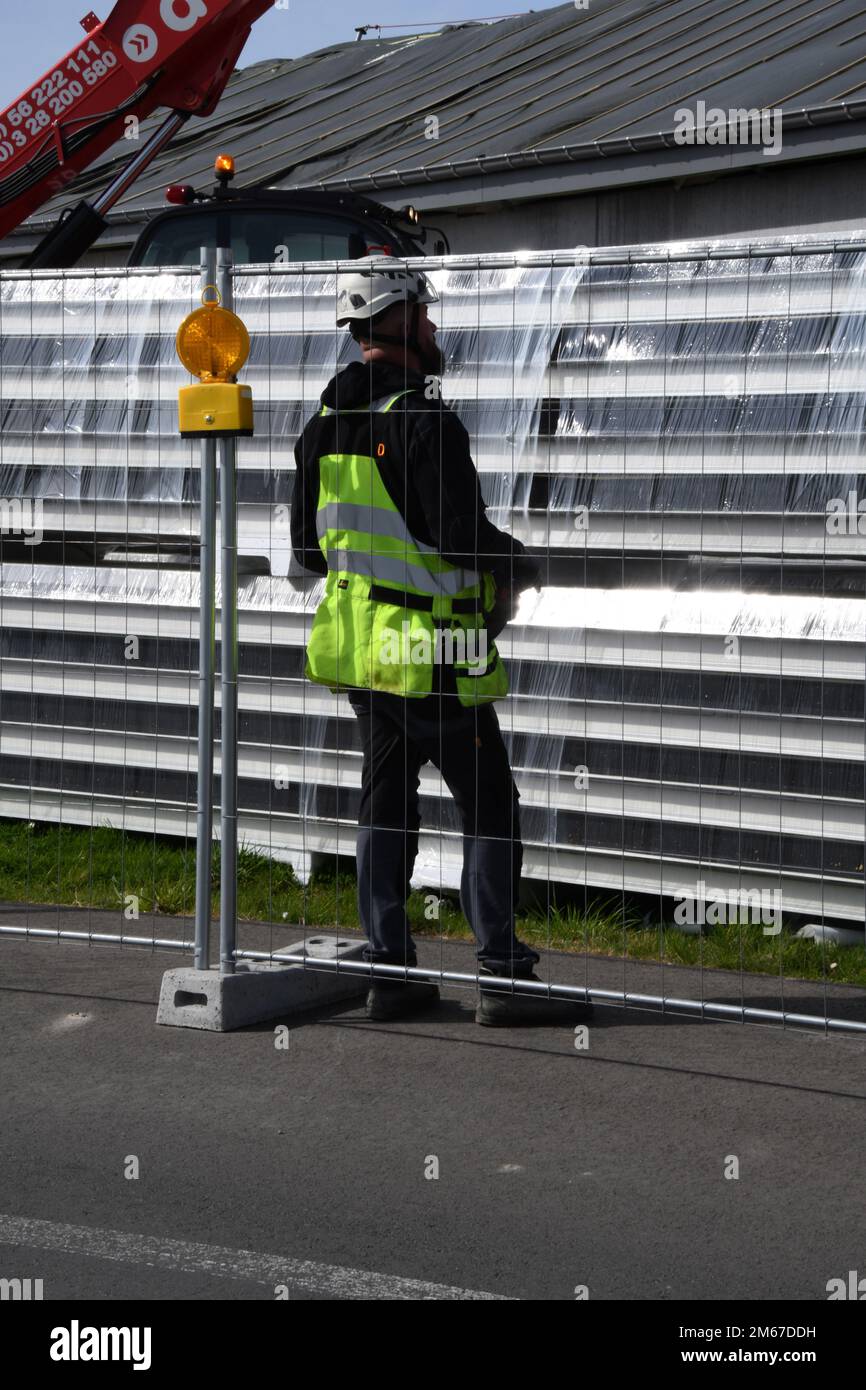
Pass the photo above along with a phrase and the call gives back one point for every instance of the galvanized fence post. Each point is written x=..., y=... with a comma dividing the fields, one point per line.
x=229, y=668
x=206, y=668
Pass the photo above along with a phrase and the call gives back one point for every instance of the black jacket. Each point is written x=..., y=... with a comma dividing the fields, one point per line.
x=426, y=466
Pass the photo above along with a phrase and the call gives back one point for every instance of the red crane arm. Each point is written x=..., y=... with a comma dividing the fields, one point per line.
x=147, y=54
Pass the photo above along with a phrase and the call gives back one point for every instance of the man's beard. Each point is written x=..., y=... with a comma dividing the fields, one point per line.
x=432, y=359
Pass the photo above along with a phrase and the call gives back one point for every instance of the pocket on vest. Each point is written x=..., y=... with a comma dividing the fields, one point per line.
x=337, y=650
x=491, y=682
x=401, y=649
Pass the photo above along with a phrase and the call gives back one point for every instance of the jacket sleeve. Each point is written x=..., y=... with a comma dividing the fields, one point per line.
x=305, y=493
x=446, y=481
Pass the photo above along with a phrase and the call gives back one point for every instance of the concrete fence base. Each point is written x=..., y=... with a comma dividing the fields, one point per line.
x=259, y=990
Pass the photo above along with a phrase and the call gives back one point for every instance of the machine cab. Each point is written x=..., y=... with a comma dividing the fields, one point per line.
x=267, y=226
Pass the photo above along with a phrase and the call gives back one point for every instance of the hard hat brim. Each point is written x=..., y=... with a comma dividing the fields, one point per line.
x=364, y=314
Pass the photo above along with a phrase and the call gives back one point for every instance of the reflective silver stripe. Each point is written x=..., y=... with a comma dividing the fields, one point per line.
x=394, y=570
x=355, y=516
x=377, y=407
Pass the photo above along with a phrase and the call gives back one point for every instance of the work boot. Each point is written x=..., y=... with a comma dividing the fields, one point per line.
x=502, y=1009
x=395, y=998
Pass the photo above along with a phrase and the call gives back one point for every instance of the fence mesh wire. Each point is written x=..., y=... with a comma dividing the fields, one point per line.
x=676, y=432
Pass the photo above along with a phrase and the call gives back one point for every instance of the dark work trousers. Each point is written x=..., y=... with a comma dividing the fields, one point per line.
x=398, y=736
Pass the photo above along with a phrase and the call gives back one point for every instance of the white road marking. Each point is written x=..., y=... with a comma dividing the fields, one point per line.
x=219, y=1262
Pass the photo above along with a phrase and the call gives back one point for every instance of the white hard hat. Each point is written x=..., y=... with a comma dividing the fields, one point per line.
x=374, y=284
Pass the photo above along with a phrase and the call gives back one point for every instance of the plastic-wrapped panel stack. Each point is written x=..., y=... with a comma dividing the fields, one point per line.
x=676, y=430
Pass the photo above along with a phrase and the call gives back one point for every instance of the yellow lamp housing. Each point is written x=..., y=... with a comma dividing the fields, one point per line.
x=213, y=344
x=215, y=409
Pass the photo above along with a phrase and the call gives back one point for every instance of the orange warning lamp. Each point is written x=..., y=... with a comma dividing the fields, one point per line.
x=213, y=344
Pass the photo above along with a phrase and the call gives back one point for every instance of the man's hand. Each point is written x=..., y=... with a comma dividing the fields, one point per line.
x=502, y=612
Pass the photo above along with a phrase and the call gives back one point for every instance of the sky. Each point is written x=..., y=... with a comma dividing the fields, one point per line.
x=45, y=30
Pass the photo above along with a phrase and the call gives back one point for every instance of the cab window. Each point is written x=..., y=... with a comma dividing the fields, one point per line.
x=258, y=236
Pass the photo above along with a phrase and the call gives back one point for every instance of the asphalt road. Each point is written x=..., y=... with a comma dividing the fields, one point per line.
x=301, y=1171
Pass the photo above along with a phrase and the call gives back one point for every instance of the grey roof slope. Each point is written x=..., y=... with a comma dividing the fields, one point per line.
x=552, y=88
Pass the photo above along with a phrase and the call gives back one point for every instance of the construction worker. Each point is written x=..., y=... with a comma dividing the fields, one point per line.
x=387, y=504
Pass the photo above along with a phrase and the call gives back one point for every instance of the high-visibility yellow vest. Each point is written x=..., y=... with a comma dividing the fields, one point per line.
x=392, y=607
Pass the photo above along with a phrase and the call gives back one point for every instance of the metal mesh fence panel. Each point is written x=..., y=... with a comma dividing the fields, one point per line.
x=675, y=433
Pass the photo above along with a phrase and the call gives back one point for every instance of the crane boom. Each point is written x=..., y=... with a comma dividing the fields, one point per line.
x=177, y=54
